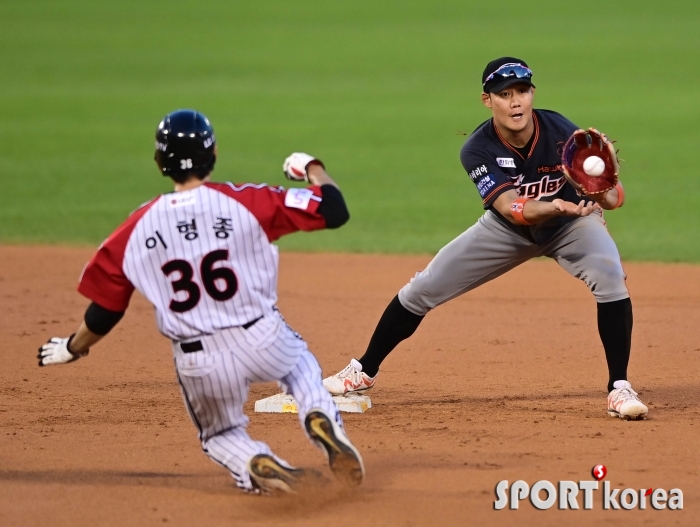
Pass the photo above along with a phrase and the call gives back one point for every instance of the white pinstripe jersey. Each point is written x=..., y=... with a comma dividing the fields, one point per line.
x=204, y=257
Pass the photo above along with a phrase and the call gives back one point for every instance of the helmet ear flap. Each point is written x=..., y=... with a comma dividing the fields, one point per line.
x=210, y=168
x=204, y=171
x=160, y=167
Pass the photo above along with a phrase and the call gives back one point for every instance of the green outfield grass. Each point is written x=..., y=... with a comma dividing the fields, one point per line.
x=379, y=90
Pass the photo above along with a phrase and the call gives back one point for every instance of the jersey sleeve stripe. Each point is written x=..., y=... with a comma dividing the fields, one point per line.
x=103, y=280
x=494, y=191
x=268, y=205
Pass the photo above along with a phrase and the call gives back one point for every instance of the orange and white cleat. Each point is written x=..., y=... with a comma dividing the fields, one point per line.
x=624, y=403
x=351, y=380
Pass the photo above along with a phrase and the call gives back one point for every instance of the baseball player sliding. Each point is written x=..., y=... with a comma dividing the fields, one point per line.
x=515, y=161
x=203, y=256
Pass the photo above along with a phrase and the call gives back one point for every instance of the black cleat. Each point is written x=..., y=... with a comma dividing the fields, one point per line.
x=344, y=459
x=272, y=477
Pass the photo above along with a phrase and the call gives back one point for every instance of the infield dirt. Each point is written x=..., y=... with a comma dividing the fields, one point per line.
x=507, y=382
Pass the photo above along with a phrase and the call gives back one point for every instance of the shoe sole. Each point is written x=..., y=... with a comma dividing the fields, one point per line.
x=343, y=394
x=271, y=476
x=351, y=392
x=639, y=417
x=343, y=458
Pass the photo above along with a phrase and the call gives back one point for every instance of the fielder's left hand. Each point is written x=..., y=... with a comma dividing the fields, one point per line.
x=295, y=166
x=56, y=351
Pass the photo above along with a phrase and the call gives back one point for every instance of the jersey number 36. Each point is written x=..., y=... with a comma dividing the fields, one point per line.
x=212, y=279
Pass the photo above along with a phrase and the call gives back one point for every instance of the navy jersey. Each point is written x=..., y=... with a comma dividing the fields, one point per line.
x=496, y=167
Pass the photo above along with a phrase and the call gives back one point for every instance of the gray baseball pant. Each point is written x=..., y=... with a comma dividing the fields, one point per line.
x=488, y=249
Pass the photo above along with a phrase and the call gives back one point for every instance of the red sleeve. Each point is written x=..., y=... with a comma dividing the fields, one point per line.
x=278, y=211
x=103, y=280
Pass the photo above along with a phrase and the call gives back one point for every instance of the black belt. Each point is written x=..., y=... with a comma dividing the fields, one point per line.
x=196, y=345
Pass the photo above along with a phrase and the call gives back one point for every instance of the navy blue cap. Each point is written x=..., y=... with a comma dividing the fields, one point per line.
x=501, y=73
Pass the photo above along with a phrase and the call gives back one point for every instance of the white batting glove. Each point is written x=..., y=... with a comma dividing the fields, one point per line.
x=295, y=166
x=55, y=351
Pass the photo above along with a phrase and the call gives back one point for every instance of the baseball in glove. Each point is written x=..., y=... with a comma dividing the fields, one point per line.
x=589, y=162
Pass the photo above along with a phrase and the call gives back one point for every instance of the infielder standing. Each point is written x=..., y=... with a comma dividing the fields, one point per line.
x=514, y=159
x=203, y=256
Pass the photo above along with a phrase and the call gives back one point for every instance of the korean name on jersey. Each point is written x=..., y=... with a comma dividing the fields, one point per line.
x=204, y=257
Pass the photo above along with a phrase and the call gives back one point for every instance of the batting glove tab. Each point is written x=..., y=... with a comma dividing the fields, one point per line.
x=295, y=166
x=56, y=351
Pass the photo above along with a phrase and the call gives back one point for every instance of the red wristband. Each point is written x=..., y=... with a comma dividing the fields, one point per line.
x=516, y=210
x=620, y=196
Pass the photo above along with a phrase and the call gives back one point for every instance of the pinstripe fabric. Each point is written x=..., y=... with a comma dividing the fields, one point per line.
x=215, y=381
x=205, y=260
x=304, y=383
x=203, y=257
x=251, y=257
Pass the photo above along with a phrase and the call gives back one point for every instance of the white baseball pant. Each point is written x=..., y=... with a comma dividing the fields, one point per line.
x=214, y=384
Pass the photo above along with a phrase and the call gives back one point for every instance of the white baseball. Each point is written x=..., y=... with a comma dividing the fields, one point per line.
x=594, y=166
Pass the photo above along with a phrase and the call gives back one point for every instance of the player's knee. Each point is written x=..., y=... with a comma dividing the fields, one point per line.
x=607, y=280
x=415, y=298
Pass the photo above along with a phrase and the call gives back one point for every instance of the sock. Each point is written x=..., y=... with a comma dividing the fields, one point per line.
x=615, y=328
x=397, y=324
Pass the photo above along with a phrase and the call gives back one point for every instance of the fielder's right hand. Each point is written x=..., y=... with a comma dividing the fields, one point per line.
x=584, y=208
x=56, y=351
x=295, y=166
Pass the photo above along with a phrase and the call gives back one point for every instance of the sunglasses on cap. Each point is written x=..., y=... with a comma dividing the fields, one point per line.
x=510, y=70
